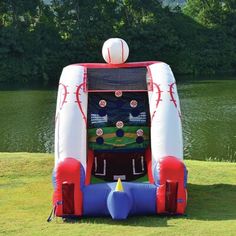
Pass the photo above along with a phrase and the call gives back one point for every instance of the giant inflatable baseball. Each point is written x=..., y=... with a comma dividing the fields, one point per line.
x=118, y=139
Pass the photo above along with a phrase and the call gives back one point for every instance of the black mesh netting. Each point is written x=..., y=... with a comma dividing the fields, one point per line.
x=117, y=79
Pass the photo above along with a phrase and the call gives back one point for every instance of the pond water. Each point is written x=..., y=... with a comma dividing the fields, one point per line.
x=208, y=116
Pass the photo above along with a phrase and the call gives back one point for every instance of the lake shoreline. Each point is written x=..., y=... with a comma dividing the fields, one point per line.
x=22, y=153
x=208, y=110
x=231, y=75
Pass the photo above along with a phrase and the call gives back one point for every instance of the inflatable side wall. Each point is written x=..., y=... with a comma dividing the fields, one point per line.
x=70, y=138
x=71, y=111
x=166, y=136
x=166, y=192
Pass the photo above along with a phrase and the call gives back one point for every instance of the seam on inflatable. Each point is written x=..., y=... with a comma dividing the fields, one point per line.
x=64, y=99
x=58, y=138
x=57, y=120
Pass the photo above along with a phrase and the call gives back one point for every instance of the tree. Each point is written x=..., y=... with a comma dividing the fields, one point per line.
x=212, y=13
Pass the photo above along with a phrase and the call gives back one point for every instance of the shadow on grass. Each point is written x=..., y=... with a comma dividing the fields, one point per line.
x=211, y=202
x=145, y=221
x=205, y=202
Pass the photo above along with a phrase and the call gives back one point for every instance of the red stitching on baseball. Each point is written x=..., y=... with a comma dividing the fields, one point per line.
x=172, y=97
x=65, y=94
x=78, y=101
x=109, y=56
x=158, y=92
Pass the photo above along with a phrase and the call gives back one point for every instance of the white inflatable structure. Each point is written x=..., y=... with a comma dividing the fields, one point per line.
x=118, y=121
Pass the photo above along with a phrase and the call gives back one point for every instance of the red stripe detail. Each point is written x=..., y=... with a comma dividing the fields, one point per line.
x=158, y=92
x=79, y=102
x=125, y=65
x=65, y=94
x=172, y=97
x=171, y=94
x=109, y=56
x=89, y=167
x=148, y=157
x=122, y=51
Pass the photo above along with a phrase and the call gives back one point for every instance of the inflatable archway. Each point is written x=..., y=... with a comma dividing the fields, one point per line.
x=118, y=140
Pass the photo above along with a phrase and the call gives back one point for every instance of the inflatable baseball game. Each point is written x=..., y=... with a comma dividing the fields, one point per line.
x=118, y=139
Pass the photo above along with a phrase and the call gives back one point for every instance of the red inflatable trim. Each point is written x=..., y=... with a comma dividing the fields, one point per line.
x=124, y=65
x=89, y=166
x=171, y=169
x=68, y=171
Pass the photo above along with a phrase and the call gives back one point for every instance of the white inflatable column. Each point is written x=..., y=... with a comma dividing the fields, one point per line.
x=71, y=112
x=166, y=129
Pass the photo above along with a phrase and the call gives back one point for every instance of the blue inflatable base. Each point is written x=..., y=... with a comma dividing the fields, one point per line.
x=103, y=200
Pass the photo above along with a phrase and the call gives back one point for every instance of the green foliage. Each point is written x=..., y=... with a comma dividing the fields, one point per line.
x=38, y=39
x=213, y=13
x=216, y=48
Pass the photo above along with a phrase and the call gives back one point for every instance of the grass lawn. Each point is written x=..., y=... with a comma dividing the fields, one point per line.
x=26, y=190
